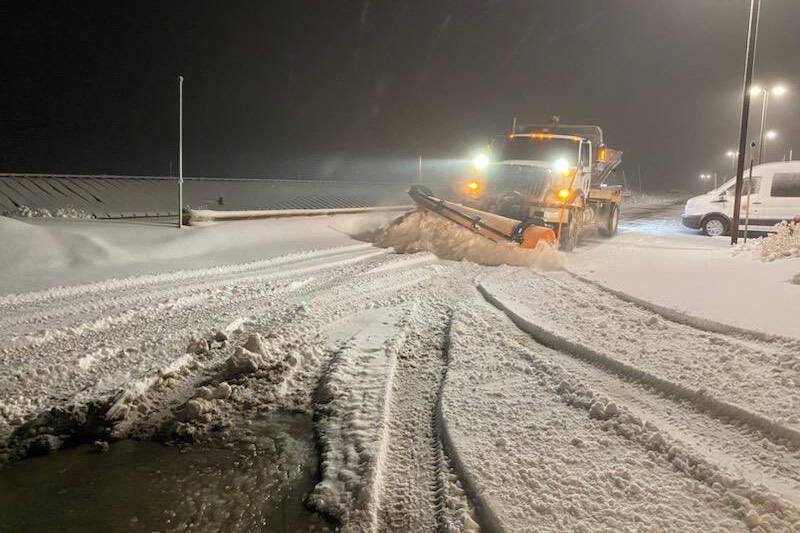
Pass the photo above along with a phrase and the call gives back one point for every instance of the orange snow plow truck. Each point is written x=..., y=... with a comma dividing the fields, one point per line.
x=538, y=183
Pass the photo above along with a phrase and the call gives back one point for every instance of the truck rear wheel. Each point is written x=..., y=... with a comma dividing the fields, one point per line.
x=609, y=227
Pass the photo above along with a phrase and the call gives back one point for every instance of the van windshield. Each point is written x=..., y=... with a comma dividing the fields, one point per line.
x=527, y=149
x=731, y=189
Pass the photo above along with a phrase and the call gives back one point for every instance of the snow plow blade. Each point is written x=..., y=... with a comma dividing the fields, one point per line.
x=494, y=227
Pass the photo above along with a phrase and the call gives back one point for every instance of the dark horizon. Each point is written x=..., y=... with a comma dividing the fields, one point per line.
x=308, y=88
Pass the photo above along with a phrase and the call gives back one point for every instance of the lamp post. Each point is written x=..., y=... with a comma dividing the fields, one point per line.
x=752, y=30
x=707, y=176
x=180, y=151
x=777, y=90
x=732, y=154
x=768, y=136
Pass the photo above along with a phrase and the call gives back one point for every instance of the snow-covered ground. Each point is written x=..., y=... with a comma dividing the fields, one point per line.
x=657, y=260
x=448, y=395
x=43, y=253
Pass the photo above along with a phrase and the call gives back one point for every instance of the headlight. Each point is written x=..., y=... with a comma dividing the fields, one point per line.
x=562, y=166
x=481, y=161
x=473, y=186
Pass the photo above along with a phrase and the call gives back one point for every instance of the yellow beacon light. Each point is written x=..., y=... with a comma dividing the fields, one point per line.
x=563, y=193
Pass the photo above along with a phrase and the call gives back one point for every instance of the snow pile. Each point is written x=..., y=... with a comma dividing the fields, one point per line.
x=782, y=244
x=425, y=231
x=61, y=212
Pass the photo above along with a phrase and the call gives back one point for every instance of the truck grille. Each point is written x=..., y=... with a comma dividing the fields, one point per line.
x=526, y=180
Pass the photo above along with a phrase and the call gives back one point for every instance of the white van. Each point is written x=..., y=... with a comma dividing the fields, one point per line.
x=775, y=196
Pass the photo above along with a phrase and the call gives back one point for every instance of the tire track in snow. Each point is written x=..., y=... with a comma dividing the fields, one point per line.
x=84, y=306
x=672, y=366
x=48, y=382
x=544, y=452
x=412, y=490
x=733, y=447
x=384, y=468
x=119, y=284
x=53, y=373
x=728, y=442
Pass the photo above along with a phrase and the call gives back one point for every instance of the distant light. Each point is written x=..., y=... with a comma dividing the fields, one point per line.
x=755, y=90
x=778, y=90
x=771, y=134
x=562, y=166
x=481, y=161
x=731, y=153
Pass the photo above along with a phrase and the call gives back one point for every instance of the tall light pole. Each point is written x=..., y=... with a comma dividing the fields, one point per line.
x=777, y=90
x=180, y=151
x=755, y=9
x=768, y=136
x=707, y=176
x=732, y=154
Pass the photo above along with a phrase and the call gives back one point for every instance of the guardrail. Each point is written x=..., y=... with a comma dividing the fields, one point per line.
x=113, y=196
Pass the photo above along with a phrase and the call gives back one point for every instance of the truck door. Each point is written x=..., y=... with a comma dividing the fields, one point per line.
x=782, y=201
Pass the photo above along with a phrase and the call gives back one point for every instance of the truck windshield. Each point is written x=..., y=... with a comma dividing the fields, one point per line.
x=525, y=148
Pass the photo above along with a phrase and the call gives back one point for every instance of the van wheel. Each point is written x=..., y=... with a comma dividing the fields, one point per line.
x=715, y=225
x=609, y=229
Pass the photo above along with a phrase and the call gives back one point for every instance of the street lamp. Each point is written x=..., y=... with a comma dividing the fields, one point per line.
x=749, y=59
x=755, y=90
x=706, y=176
x=768, y=136
x=732, y=154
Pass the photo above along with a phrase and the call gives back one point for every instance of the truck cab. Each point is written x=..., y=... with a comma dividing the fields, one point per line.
x=550, y=175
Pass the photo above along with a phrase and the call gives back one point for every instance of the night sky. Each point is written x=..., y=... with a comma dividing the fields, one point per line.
x=353, y=88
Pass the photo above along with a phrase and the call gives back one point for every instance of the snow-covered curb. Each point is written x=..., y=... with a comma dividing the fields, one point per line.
x=205, y=216
x=700, y=398
x=681, y=317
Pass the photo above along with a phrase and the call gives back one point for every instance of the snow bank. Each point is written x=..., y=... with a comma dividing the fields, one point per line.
x=425, y=231
x=42, y=253
x=61, y=212
x=784, y=243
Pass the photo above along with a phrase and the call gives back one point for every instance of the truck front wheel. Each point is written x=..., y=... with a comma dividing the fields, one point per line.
x=569, y=237
x=609, y=227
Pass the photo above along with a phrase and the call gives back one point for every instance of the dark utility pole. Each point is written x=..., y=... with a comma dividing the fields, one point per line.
x=752, y=32
x=180, y=152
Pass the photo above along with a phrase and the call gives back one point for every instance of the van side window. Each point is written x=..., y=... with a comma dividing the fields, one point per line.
x=756, y=186
x=786, y=184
